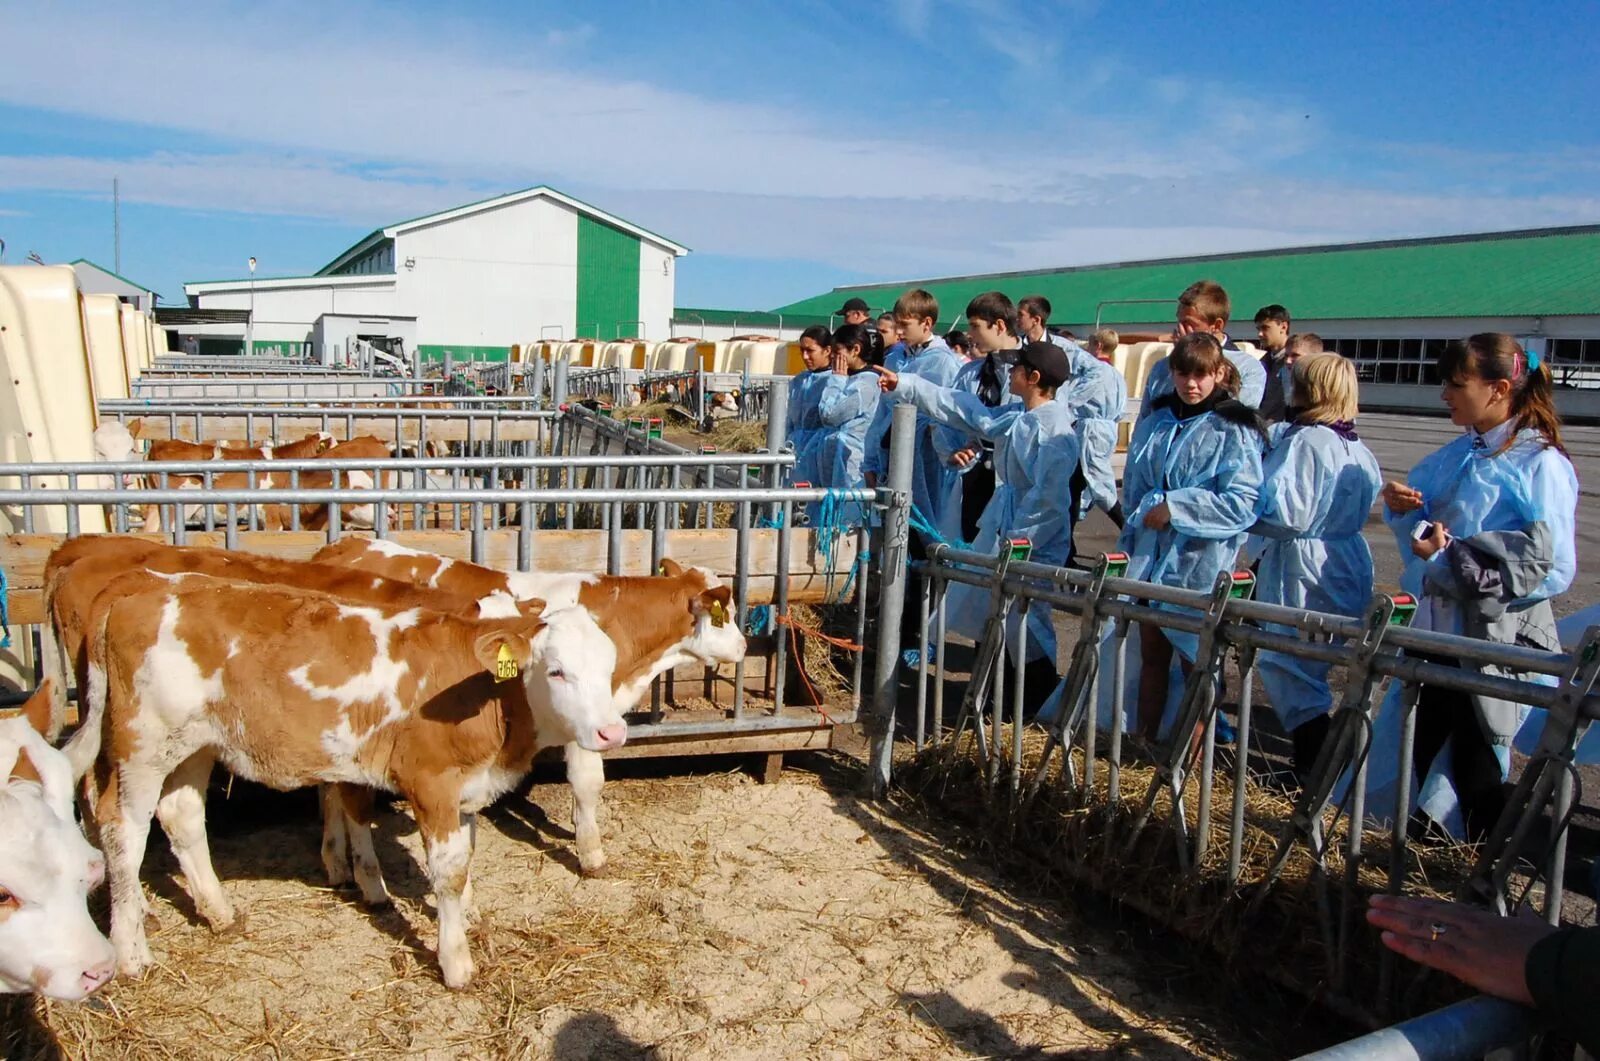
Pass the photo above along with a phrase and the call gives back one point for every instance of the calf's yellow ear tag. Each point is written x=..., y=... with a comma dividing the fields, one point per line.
x=505, y=665
x=719, y=614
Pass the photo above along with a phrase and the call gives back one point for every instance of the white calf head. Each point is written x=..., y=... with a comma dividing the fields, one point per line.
x=112, y=441
x=48, y=942
x=716, y=637
x=566, y=668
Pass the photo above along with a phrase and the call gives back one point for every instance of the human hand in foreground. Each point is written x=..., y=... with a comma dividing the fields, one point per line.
x=1401, y=498
x=886, y=379
x=1158, y=518
x=1477, y=947
x=963, y=457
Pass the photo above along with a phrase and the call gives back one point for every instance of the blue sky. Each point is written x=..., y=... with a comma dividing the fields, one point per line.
x=794, y=146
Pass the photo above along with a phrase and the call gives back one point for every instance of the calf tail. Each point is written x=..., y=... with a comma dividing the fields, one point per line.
x=55, y=661
x=84, y=747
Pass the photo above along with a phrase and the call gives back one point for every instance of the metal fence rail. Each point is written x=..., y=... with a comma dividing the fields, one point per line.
x=510, y=425
x=172, y=387
x=654, y=493
x=1370, y=651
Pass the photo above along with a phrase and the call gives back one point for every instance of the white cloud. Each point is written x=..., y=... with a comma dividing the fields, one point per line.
x=355, y=114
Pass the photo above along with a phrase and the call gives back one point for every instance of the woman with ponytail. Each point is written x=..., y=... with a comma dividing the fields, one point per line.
x=1485, y=527
x=1189, y=492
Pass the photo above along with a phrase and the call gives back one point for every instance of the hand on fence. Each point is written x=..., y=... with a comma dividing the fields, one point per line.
x=1477, y=947
x=1401, y=498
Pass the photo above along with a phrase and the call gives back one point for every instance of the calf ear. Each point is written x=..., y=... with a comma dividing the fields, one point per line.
x=670, y=568
x=504, y=653
x=24, y=756
x=38, y=708
x=716, y=602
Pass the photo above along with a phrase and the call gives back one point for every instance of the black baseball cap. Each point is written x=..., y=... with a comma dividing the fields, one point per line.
x=855, y=305
x=1047, y=359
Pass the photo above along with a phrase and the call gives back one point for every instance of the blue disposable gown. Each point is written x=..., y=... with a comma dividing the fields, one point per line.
x=1252, y=380
x=1208, y=470
x=1035, y=453
x=1098, y=397
x=846, y=406
x=930, y=477
x=948, y=440
x=1316, y=491
x=804, y=424
x=1473, y=489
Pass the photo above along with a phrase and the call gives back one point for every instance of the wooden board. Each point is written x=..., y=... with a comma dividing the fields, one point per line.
x=442, y=427
x=23, y=556
x=816, y=738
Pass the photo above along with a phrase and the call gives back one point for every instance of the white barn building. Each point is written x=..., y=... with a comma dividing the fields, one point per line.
x=469, y=283
x=98, y=280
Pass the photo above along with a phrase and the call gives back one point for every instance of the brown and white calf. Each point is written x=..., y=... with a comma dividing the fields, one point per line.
x=289, y=687
x=80, y=569
x=177, y=449
x=683, y=616
x=82, y=573
x=48, y=941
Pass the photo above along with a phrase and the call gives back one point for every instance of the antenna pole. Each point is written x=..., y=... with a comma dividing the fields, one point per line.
x=116, y=224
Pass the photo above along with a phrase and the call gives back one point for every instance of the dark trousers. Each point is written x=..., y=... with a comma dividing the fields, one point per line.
x=1079, y=484
x=977, y=488
x=1446, y=716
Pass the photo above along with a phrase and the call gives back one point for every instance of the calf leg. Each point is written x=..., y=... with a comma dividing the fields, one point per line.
x=124, y=812
x=355, y=804
x=586, y=773
x=182, y=811
x=335, y=836
x=448, y=843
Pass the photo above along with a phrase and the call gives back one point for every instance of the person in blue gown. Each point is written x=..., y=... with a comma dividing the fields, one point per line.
x=1486, y=528
x=1318, y=483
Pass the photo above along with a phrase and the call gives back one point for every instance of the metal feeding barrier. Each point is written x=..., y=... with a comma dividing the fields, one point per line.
x=507, y=523
x=1371, y=651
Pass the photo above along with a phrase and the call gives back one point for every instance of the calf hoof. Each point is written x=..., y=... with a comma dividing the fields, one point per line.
x=459, y=977
x=232, y=925
x=136, y=961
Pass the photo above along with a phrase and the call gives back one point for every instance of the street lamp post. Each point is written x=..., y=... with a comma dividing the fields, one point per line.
x=250, y=324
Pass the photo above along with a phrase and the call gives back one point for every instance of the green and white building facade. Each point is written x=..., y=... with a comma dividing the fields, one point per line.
x=468, y=283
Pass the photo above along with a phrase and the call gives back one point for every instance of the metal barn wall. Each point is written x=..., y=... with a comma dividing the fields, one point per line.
x=608, y=281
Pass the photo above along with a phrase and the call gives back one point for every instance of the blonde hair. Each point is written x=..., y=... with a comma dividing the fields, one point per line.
x=1325, y=388
x=1106, y=341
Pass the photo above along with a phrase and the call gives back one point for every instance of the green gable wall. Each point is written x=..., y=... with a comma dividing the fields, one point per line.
x=608, y=280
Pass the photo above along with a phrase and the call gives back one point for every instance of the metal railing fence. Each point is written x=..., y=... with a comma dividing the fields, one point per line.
x=1368, y=651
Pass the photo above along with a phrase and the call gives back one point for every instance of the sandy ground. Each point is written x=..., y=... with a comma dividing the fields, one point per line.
x=737, y=920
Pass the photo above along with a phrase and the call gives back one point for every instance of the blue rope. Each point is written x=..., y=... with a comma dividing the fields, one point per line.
x=5, y=611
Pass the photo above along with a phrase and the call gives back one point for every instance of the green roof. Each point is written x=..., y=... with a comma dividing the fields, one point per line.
x=1530, y=273
x=753, y=317
x=108, y=272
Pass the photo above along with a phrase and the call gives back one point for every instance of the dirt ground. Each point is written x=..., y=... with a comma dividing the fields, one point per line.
x=737, y=920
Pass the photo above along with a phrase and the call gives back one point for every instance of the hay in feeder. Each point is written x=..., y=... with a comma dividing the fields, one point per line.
x=1084, y=836
x=737, y=436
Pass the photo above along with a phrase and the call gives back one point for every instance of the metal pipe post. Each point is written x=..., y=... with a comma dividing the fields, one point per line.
x=891, y=595
x=1468, y=1029
x=558, y=385
x=777, y=429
